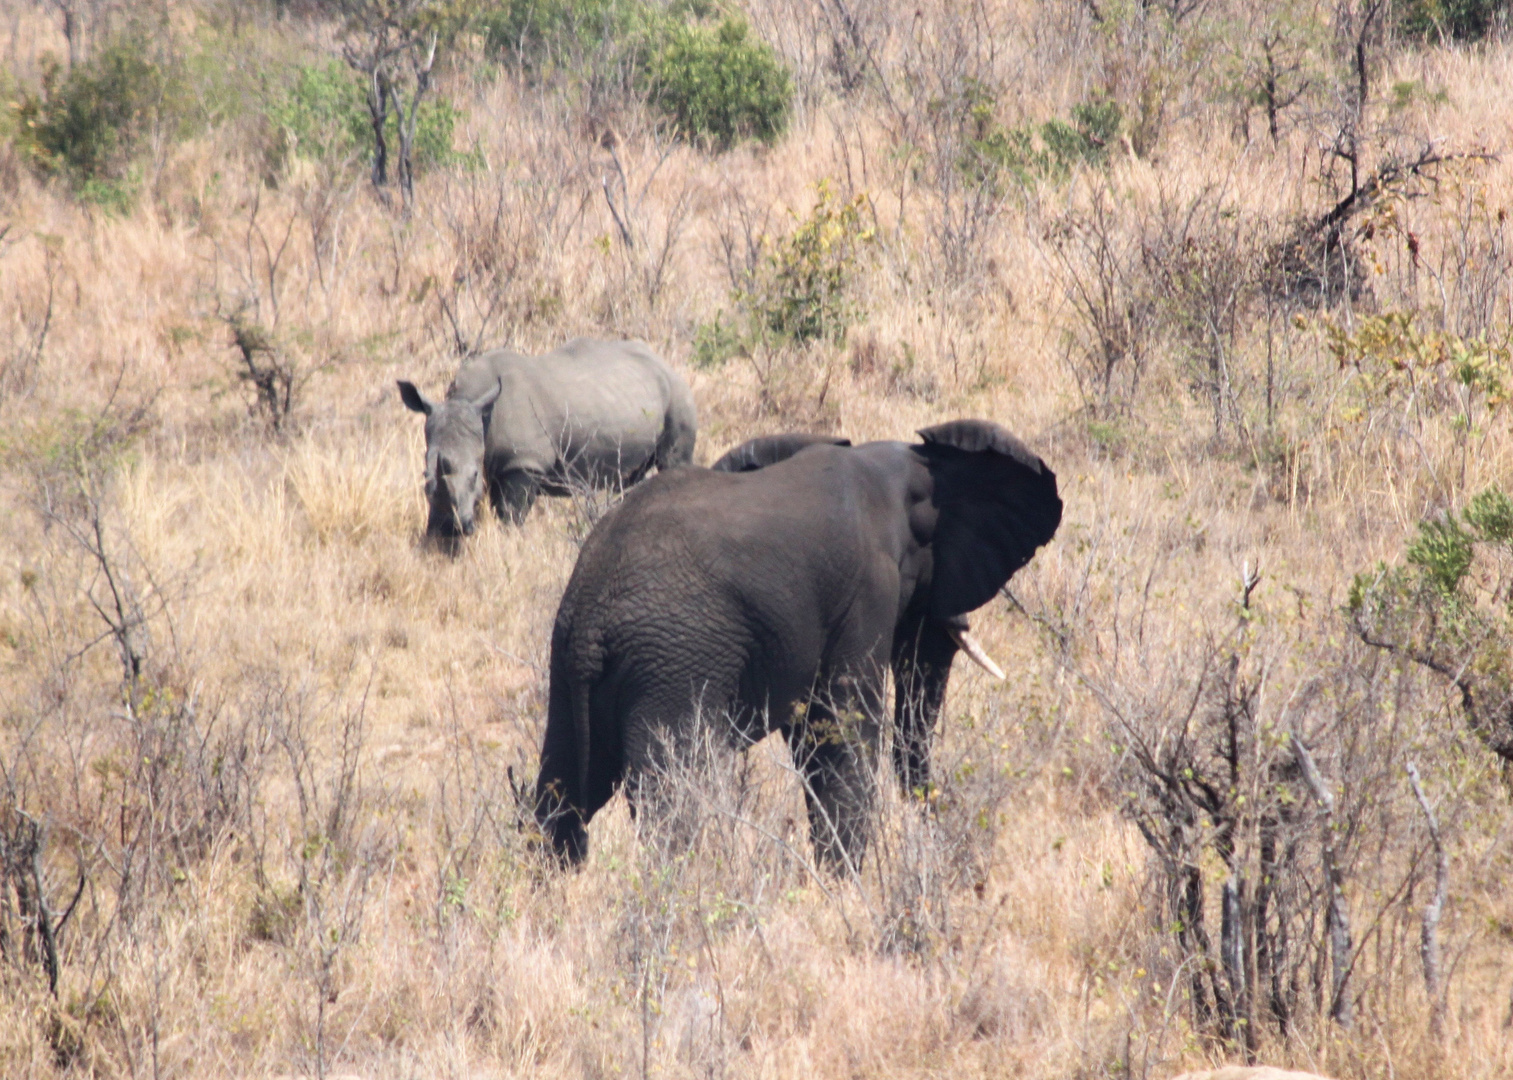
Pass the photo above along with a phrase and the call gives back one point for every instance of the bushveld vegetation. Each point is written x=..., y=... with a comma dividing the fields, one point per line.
x=1238, y=271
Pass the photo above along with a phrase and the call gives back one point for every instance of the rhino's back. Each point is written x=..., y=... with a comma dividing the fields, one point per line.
x=595, y=408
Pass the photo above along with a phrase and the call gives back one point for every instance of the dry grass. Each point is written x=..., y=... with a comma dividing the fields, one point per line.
x=318, y=868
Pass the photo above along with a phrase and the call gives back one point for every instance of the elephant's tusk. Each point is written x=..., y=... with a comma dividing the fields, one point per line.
x=969, y=645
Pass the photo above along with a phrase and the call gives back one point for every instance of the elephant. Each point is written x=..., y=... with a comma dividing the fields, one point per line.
x=766, y=450
x=591, y=413
x=779, y=598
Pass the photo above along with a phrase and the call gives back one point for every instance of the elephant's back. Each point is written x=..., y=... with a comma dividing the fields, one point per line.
x=706, y=573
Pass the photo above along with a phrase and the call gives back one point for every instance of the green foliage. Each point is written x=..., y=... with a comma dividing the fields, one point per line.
x=1441, y=557
x=1462, y=20
x=1442, y=550
x=1394, y=358
x=720, y=85
x=716, y=82
x=717, y=341
x=88, y=124
x=1436, y=613
x=539, y=34
x=801, y=291
x=1030, y=154
x=1490, y=514
x=322, y=113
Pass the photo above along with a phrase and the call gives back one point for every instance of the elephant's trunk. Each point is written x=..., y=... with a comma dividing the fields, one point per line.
x=969, y=645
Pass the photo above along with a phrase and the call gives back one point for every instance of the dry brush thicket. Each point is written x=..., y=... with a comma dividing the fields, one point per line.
x=1239, y=272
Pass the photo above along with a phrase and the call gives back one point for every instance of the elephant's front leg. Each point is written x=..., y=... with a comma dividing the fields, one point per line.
x=834, y=746
x=921, y=668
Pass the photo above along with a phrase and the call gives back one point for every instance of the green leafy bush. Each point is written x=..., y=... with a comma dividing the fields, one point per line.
x=1395, y=359
x=716, y=82
x=1031, y=153
x=719, y=84
x=1463, y=20
x=1432, y=610
x=1442, y=551
x=717, y=341
x=801, y=291
x=1490, y=516
x=540, y=34
x=89, y=123
x=323, y=114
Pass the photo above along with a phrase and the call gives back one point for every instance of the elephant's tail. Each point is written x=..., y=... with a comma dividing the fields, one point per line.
x=564, y=802
x=582, y=689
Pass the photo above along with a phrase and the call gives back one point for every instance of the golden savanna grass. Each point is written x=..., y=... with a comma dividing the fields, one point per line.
x=298, y=831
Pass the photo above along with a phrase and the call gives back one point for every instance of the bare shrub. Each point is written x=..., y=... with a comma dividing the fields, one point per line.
x=317, y=868
x=1183, y=273
x=742, y=230
x=73, y=472
x=1099, y=263
x=267, y=369
x=648, y=230
x=949, y=77
x=505, y=229
x=33, y=320
x=1442, y=246
x=1265, y=766
x=120, y=787
x=1204, y=259
x=933, y=851
x=716, y=850
x=830, y=46
x=252, y=306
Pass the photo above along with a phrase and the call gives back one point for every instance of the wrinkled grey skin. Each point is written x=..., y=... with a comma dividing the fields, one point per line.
x=779, y=598
x=765, y=450
x=593, y=413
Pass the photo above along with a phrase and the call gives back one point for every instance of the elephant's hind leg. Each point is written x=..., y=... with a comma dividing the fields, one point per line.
x=668, y=786
x=835, y=751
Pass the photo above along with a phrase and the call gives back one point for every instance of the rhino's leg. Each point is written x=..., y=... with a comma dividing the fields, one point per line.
x=513, y=493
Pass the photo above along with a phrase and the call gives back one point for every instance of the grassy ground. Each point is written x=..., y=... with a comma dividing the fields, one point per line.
x=295, y=827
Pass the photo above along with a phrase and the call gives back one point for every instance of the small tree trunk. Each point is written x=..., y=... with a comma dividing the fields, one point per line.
x=1341, y=1009
x=1269, y=90
x=1194, y=939
x=1271, y=948
x=1429, y=930
x=1232, y=951
x=378, y=115
x=409, y=121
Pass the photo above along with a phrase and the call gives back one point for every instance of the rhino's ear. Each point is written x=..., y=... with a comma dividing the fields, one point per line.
x=414, y=399
x=768, y=450
x=488, y=397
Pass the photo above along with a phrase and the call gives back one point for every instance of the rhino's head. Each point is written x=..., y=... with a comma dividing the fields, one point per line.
x=454, y=460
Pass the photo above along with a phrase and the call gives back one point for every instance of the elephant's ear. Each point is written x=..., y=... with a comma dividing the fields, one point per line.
x=996, y=504
x=768, y=450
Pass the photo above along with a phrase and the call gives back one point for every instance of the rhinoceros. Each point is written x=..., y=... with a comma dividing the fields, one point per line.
x=592, y=413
